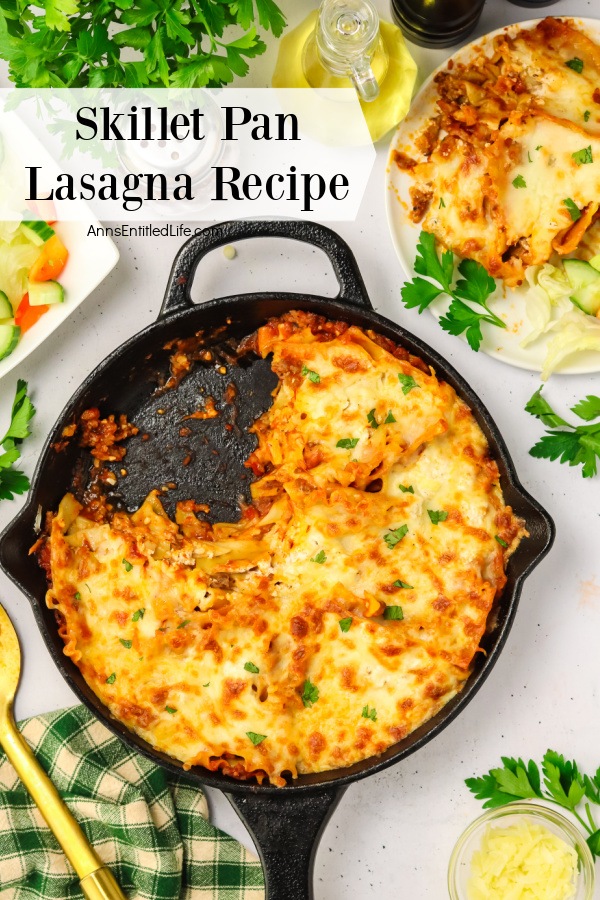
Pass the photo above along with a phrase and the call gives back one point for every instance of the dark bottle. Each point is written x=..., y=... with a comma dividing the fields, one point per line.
x=533, y=4
x=436, y=23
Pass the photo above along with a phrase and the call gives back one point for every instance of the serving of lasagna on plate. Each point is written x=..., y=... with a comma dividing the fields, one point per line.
x=346, y=606
x=500, y=160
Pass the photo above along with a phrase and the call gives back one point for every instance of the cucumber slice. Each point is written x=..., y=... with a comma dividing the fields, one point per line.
x=585, y=281
x=6, y=310
x=37, y=231
x=9, y=338
x=45, y=293
x=595, y=262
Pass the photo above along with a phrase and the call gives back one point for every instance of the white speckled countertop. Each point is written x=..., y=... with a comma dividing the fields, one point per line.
x=392, y=834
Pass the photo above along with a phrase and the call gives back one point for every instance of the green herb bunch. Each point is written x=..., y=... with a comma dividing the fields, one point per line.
x=179, y=43
x=13, y=481
x=563, y=784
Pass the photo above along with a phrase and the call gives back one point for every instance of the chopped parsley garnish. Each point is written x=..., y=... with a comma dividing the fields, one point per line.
x=345, y=624
x=584, y=156
x=519, y=182
x=207, y=684
x=312, y=376
x=127, y=644
x=407, y=382
x=184, y=623
x=77, y=596
x=310, y=693
x=111, y=678
x=395, y=535
x=171, y=710
x=319, y=558
x=347, y=443
x=389, y=418
x=500, y=540
x=256, y=738
x=529, y=156
x=138, y=614
x=393, y=612
x=369, y=713
x=371, y=419
x=437, y=515
x=576, y=64
x=574, y=210
x=250, y=667
x=442, y=204
x=402, y=584
x=586, y=115
x=127, y=564
x=539, y=147
x=406, y=488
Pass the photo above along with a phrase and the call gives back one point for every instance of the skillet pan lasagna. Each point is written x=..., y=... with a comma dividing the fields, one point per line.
x=346, y=606
x=507, y=168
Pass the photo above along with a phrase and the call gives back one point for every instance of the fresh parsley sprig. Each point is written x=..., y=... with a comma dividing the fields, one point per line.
x=577, y=445
x=13, y=481
x=74, y=43
x=474, y=287
x=562, y=784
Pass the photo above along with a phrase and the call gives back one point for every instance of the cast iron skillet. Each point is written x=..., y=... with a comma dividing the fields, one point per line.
x=286, y=823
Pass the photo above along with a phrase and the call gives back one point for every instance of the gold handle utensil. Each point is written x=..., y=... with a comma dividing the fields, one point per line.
x=96, y=880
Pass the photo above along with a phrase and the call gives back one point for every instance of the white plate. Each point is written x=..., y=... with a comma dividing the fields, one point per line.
x=90, y=260
x=499, y=343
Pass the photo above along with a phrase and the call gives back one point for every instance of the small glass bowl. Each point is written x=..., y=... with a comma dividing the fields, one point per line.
x=459, y=869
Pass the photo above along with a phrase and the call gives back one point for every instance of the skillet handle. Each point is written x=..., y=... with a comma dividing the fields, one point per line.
x=286, y=829
x=178, y=297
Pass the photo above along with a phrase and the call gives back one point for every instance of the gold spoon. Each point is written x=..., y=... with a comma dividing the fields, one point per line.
x=96, y=880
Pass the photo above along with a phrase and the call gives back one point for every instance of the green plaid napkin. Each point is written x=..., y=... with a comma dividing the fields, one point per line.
x=151, y=828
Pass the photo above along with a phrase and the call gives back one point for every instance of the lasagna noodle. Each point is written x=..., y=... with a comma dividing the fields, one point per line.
x=517, y=132
x=222, y=645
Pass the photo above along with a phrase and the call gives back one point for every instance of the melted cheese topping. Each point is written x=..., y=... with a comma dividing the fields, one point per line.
x=346, y=606
x=516, y=133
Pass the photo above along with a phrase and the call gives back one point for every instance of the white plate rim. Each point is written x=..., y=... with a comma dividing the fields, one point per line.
x=392, y=204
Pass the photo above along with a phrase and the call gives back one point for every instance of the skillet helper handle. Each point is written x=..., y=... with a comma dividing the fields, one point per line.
x=286, y=830
x=178, y=297
x=96, y=880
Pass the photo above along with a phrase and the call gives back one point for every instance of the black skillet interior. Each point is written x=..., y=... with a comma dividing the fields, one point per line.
x=207, y=464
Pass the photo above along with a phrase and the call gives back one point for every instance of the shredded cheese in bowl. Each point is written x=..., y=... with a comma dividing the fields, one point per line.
x=524, y=861
x=521, y=851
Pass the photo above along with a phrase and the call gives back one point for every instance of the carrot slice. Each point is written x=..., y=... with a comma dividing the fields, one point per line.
x=27, y=315
x=51, y=261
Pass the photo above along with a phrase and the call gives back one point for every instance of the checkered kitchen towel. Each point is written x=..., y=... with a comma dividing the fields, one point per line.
x=149, y=827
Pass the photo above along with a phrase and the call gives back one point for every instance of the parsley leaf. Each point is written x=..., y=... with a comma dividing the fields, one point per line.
x=586, y=115
x=578, y=445
x=184, y=624
x=127, y=644
x=371, y=419
x=406, y=488
x=127, y=565
x=574, y=210
x=347, y=443
x=310, y=693
x=407, y=382
x=442, y=204
x=402, y=584
x=389, y=419
x=437, y=515
x=576, y=64
x=428, y=263
x=138, y=614
x=111, y=678
x=369, y=713
x=500, y=540
x=393, y=612
x=311, y=375
x=13, y=481
x=519, y=182
x=171, y=710
x=319, y=558
x=345, y=624
x=587, y=409
x=250, y=667
x=256, y=738
x=584, y=156
x=395, y=535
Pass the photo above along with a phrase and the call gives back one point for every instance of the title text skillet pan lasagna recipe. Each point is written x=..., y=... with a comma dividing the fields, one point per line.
x=342, y=610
